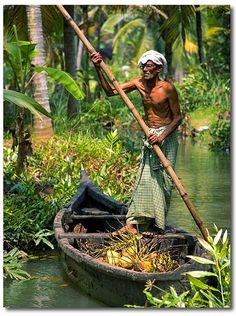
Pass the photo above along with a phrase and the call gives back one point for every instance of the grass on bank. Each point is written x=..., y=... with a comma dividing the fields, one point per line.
x=203, y=116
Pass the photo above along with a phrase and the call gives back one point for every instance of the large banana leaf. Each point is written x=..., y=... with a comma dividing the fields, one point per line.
x=63, y=78
x=27, y=49
x=22, y=51
x=24, y=101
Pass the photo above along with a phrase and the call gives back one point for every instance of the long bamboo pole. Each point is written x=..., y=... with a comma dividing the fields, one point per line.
x=142, y=124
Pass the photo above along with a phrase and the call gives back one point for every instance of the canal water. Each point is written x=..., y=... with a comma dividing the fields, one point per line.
x=206, y=177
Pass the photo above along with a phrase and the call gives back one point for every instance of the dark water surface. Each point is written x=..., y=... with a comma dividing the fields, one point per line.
x=206, y=178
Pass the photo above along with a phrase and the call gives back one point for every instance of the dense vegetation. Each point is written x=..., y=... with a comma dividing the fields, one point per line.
x=89, y=131
x=209, y=289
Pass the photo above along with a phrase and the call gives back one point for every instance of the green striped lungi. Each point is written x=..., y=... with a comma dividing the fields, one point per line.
x=152, y=190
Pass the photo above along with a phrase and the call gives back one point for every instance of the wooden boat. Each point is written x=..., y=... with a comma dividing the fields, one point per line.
x=113, y=285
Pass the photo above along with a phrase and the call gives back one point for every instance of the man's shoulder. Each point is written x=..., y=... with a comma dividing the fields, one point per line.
x=137, y=80
x=168, y=85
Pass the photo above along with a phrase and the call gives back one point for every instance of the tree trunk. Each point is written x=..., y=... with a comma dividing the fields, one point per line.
x=199, y=35
x=42, y=127
x=70, y=59
x=168, y=56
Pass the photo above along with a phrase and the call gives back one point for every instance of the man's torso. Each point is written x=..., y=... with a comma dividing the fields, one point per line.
x=156, y=104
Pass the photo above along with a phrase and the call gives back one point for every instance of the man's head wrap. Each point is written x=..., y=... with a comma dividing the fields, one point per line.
x=155, y=57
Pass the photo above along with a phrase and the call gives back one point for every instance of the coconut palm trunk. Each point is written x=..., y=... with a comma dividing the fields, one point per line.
x=42, y=127
x=70, y=60
x=199, y=34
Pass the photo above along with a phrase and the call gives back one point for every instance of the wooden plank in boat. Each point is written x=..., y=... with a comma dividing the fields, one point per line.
x=110, y=216
x=108, y=235
x=93, y=211
x=84, y=235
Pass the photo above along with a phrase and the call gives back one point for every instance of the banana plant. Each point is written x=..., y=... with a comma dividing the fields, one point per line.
x=19, y=72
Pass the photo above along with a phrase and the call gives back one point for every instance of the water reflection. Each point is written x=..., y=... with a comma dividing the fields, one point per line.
x=49, y=288
x=206, y=178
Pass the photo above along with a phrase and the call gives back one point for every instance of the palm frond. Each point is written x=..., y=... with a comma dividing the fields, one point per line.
x=146, y=43
x=180, y=18
x=111, y=22
x=125, y=31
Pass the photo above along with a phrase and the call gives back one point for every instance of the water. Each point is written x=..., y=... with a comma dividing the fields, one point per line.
x=207, y=180
x=48, y=288
x=206, y=177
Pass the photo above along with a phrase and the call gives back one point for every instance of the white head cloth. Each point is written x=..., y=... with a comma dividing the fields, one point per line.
x=155, y=57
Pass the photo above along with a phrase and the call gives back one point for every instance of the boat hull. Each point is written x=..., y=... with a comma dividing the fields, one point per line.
x=112, y=285
x=115, y=286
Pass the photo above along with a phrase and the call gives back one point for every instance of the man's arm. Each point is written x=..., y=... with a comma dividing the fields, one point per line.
x=108, y=88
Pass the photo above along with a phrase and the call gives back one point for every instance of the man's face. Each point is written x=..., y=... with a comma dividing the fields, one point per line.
x=150, y=70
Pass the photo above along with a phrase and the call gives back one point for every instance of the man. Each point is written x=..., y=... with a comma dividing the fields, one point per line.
x=151, y=196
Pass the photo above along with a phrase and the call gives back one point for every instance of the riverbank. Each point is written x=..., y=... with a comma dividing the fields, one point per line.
x=208, y=127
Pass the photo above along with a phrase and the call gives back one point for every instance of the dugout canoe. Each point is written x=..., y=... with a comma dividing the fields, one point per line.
x=112, y=285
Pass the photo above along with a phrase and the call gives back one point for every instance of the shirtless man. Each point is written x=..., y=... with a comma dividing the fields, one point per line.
x=162, y=111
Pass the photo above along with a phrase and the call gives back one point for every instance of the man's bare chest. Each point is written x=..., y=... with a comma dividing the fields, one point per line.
x=155, y=99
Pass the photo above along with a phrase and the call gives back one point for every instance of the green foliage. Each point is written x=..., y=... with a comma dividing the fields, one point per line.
x=218, y=295
x=24, y=101
x=199, y=89
x=17, y=58
x=169, y=300
x=63, y=78
x=179, y=21
x=98, y=118
x=112, y=144
x=41, y=236
x=12, y=264
x=220, y=132
x=193, y=90
x=133, y=32
x=9, y=161
x=26, y=214
x=32, y=200
x=204, y=96
x=217, y=44
x=118, y=167
x=209, y=289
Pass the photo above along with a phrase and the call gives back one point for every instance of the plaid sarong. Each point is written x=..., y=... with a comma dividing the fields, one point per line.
x=152, y=190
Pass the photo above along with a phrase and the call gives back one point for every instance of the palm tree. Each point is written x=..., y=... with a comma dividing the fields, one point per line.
x=199, y=34
x=43, y=128
x=70, y=59
x=18, y=61
x=133, y=30
x=180, y=18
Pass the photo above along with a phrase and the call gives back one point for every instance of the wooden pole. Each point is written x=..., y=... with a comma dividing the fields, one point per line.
x=141, y=123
